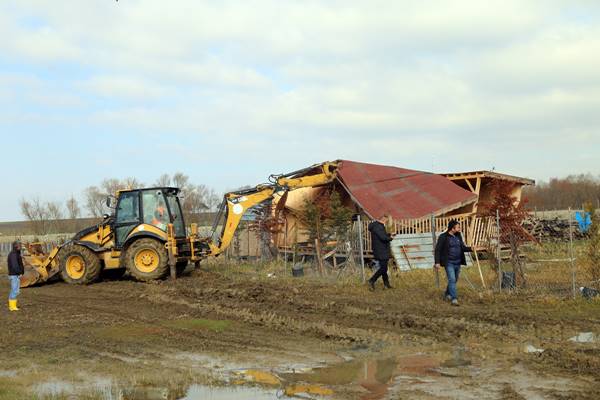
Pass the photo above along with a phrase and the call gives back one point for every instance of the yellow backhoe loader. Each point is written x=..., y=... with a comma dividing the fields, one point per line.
x=147, y=235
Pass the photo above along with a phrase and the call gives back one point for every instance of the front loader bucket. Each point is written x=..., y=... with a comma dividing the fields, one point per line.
x=39, y=267
x=30, y=277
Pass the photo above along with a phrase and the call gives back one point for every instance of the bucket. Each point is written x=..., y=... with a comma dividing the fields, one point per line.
x=297, y=270
x=508, y=280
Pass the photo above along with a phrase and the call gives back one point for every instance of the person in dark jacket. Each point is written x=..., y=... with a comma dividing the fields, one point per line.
x=380, y=241
x=15, y=270
x=450, y=254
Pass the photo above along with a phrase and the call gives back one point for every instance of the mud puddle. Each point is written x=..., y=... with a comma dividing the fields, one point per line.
x=451, y=372
x=370, y=377
x=115, y=392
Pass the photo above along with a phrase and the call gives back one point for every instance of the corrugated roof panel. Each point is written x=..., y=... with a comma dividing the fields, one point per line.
x=403, y=193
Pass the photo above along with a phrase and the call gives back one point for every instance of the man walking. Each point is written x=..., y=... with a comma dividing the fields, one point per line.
x=380, y=241
x=15, y=270
x=450, y=254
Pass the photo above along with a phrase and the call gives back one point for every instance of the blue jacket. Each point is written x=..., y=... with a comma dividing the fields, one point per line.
x=443, y=247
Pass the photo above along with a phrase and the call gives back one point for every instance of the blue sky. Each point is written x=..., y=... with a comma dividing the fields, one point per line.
x=229, y=92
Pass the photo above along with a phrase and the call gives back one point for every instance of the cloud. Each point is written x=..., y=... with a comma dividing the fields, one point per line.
x=124, y=87
x=383, y=81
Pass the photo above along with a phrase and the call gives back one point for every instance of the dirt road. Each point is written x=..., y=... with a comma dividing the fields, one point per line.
x=246, y=331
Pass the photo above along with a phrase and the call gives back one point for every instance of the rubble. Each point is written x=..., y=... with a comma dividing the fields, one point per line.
x=552, y=230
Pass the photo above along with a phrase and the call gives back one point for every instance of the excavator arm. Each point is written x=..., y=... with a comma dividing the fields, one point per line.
x=235, y=204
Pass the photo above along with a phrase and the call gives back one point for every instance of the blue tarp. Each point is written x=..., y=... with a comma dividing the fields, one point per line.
x=584, y=219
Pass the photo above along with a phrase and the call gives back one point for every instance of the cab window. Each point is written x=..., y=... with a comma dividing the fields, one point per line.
x=178, y=223
x=155, y=209
x=128, y=210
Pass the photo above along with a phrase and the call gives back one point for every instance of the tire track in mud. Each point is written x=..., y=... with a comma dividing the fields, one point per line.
x=272, y=320
x=343, y=319
x=349, y=307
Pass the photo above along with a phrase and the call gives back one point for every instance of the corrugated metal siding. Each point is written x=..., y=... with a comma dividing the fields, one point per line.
x=415, y=251
x=403, y=193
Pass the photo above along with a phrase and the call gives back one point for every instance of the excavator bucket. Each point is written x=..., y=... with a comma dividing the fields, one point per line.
x=39, y=266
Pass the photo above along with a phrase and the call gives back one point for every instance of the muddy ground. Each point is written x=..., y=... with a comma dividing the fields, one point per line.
x=251, y=335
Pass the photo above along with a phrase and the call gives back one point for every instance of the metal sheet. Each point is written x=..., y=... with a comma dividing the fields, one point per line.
x=402, y=193
x=415, y=251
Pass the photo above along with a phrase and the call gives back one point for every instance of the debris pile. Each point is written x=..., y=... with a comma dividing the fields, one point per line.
x=552, y=230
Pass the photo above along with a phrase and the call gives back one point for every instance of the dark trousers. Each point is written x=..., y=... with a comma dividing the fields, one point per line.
x=382, y=271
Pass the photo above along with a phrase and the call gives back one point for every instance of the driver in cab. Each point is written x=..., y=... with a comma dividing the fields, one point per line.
x=160, y=218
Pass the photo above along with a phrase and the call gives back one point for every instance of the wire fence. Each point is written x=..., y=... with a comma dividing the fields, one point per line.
x=556, y=261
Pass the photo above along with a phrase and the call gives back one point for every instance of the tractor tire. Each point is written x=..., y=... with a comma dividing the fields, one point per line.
x=147, y=260
x=180, y=267
x=79, y=265
x=113, y=273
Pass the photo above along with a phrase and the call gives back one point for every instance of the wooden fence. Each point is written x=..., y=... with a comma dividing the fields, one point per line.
x=477, y=231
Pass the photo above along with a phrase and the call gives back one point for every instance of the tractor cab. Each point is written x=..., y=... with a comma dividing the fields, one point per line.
x=152, y=208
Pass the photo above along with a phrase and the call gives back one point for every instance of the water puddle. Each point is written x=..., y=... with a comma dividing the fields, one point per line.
x=584, y=337
x=366, y=378
x=370, y=378
x=111, y=391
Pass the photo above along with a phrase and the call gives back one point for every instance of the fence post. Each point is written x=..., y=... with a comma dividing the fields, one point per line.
x=360, y=247
x=573, y=277
x=285, y=246
x=433, y=237
x=498, y=255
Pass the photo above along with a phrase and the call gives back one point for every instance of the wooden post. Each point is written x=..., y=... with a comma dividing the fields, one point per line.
x=498, y=255
x=479, y=268
x=406, y=256
x=573, y=273
x=434, y=241
x=318, y=254
x=285, y=246
x=360, y=247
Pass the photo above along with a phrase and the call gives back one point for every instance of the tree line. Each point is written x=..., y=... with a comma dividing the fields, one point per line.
x=57, y=217
x=561, y=193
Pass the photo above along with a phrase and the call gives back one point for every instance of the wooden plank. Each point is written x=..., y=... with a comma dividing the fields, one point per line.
x=470, y=185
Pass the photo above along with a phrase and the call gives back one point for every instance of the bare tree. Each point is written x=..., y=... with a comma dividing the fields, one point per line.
x=36, y=213
x=73, y=210
x=181, y=181
x=163, y=180
x=130, y=183
x=561, y=193
x=95, y=201
x=95, y=196
x=111, y=186
x=212, y=200
x=194, y=200
x=55, y=216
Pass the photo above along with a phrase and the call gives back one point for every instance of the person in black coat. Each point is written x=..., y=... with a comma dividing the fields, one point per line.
x=380, y=241
x=450, y=254
x=15, y=270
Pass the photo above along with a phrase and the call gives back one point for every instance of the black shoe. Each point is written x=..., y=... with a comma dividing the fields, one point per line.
x=371, y=286
x=388, y=286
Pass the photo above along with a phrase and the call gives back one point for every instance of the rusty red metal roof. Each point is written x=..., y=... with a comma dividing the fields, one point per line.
x=402, y=193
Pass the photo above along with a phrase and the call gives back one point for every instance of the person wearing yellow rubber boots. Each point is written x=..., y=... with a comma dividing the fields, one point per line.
x=15, y=270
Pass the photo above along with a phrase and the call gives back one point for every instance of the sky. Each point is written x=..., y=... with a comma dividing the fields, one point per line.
x=229, y=92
